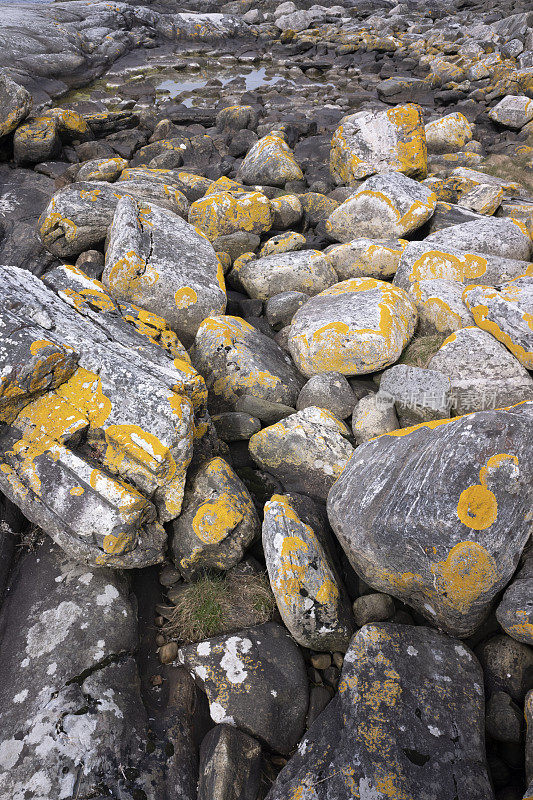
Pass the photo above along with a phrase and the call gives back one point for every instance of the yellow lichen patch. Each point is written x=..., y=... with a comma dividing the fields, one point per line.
x=468, y=572
x=130, y=276
x=185, y=297
x=38, y=344
x=214, y=520
x=224, y=213
x=77, y=491
x=477, y=507
x=55, y=219
x=116, y=545
x=440, y=264
x=132, y=443
x=84, y=391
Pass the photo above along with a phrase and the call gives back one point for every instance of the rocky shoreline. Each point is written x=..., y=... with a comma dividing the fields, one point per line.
x=266, y=410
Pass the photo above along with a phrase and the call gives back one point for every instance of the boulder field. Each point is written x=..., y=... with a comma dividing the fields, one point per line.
x=266, y=400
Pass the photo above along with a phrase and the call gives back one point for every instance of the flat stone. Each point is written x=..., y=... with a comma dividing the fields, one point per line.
x=419, y=394
x=303, y=271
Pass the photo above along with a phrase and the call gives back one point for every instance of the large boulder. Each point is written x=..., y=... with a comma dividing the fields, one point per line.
x=159, y=262
x=271, y=162
x=506, y=312
x=307, y=451
x=384, y=206
x=71, y=713
x=217, y=523
x=311, y=600
x=77, y=217
x=483, y=373
x=301, y=271
x=513, y=111
x=15, y=102
x=504, y=237
x=422, y=261
x=96, y=456
x=254, y=679
x=369, y=142
x=407, y=722
x=237, y=359
x=355, y=327
x=436, y=515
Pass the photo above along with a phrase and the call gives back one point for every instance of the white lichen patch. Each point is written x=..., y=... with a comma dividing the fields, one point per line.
x=52, y=628
x=109, y=594
x=231, y=662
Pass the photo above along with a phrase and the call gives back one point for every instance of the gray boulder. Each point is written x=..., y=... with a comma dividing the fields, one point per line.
x=15, y=102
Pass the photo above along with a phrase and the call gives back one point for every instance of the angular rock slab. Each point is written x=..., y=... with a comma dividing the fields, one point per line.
x=515, y=611
x=159, y=262
x=271, y=162
x=236, y=359
x=483, y=373
x=307, y=451
x=440, y=306
x=311, y=600
x=355, y=327
x=369, y=142
x=230, y=765
x=437, y=514
x=408, y=722
x=254, y=679
x=217, y=523
x=99, y=460
x=70, y=710
x=304, y=271
x=512, y=112
x=507, y=313
x=77, y=217
x=15, y=102
x=385, y=206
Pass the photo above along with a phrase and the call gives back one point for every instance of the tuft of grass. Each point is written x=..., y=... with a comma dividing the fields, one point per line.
x=217, y=604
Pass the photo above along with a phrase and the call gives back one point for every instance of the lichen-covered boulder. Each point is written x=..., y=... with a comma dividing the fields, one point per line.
x=440, y=306
x=515, y=611
x=354, y=327
x=408, y=722
x=102, y=169
x=288, y=242
x=236, y=359
x=329, y=390
x=224, y=213
x=217, y=523
x=254, y=679
x=385, y=206
x=363, y=257
x=15, y=102
x=513, y=111
x=270, y=161
x=286, y=211
x=437, y=514
x=301, y=271
x=191, y=185
x=306, y=451
x=311, y=600
x=97, y=457
x=498, y=236
x=483, y=373
x=159, y=262
x=369, y=142
x=77, y=217
x=36, y=141
x=507, y=313
x=69, y=687
x=448, y=134
x=425, y=261
x=236, y=118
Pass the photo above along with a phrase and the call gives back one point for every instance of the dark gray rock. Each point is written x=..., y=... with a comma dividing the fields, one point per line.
x=407, y=721
x=15, y=102
x=515, y=612
x=507, y=666
x=230, y=765
x=329, y=390
x=254, y=679
x=71, y=716
x=503, y=719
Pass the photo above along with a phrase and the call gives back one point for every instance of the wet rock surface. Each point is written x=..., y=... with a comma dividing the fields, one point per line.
x=256, y=260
